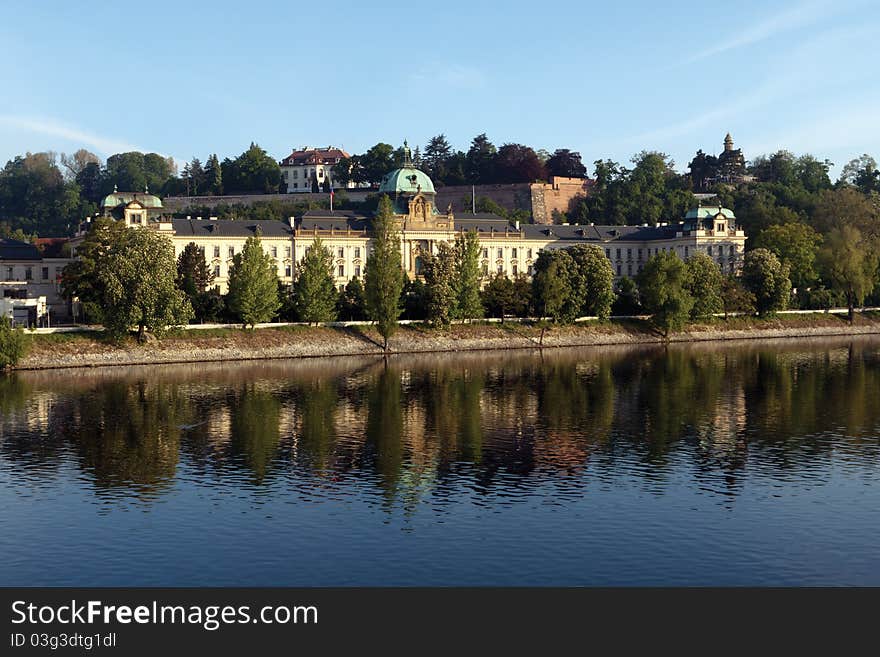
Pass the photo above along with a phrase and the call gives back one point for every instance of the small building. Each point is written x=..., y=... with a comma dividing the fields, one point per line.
x=308, y=169
x=28, y=275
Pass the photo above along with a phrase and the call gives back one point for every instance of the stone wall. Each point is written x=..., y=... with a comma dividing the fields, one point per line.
x=556, y=195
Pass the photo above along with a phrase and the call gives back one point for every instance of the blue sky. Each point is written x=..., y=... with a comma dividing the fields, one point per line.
x=607, y=79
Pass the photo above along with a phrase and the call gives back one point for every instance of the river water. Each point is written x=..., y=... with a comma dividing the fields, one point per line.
x=733, y=464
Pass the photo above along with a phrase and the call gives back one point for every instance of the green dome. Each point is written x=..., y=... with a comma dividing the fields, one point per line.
x=407, y=180
x=708, y=212
x=124, y=198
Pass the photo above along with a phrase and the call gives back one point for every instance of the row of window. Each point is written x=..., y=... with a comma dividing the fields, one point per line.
x=514, y=253
x=731, y=268
x=29, y=274
x=230, y=251
x=307, y=174
x=709, y=251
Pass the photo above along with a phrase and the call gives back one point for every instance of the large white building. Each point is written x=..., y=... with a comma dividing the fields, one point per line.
x=307, y=168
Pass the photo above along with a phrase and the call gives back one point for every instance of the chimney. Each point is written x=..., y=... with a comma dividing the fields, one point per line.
x=517, y=224
x=290, y=220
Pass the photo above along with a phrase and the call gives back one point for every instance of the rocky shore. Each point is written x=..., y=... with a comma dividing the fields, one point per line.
x=92, y=350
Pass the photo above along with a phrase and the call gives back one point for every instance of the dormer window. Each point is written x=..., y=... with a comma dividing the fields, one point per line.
x=136, y=218
x=719, y=227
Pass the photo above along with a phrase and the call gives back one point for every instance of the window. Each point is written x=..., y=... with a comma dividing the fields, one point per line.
x=513, y=269
x=485, y=253
x=286, y=251
x=686, y=251
x=285, y=175
x=720, y=228
x=217, y=270
x=341, y=271
x=608, y=253
x=231, y=251
x=274, y=251
x=500, y=269
x=295, y=175
x=513, y=252
x=499, y=253
x=618, y=270
x=216, y=251
x=287, y=270
x=357, y=271
x=732, y=250
x=629, y=254
x=529, y=254
x=640, y=254
x=296, y=185
x=357, y=252
x=709, y=249
x=136, y=218
x=9, y=273
x=28, y=273
x=320, y=173
x=45, y=273
x=485, y=269
x=629, y=270
x=618, y=256
x=340, y=252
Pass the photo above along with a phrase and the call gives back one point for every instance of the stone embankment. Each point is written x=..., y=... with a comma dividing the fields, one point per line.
x=92, y=350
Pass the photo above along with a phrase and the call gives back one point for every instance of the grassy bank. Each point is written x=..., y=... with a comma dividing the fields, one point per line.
x=95, y=349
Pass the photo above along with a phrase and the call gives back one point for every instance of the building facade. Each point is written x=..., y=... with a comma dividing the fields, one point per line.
x=30, y=284
x=311, y=169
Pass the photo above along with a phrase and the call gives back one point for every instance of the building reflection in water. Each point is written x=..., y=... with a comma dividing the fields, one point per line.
x=499, y=424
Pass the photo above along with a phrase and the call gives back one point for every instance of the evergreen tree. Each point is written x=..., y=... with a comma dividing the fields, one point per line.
x=663, y=285
x=479, y=160
x=253, y=284
x=384, y=272
x=314, y=291
x=351, y=303
x=213, y=176
x=439, y=272
x=554, y=294
x=193, y=273
x=434, y=159
x=466, y=283
x=196, y=176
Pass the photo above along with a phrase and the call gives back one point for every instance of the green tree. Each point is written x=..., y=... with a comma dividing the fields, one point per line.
x=314, y=291
x=566, y=163
x=252, y=172
x=128, y=274
x=384, y=273
x=13, y=344
x=253, y=284
x=438, y=270
x=374, y=164
x=735, y=298
x=665, y=292
x=767, y=278
x=479, y=160
x=35, y=197
x=595, y=280
x=704, y=283
x=135, y=172
x=351, y=305
x=627, y=301
x=796, y=245
x=499, y=296
x=466, y=283
x=552, y=289
x=213, y=176
x=849, y=264
x=193, y=274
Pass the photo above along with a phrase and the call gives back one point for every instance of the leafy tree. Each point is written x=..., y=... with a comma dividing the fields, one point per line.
x=517, y=163
x=314, y=291
x=664, y=287
x=252, y=172
x=777, y=168
x=479, y=160
x=846, y=206
x=75, y=163
x=767, y=278
x=627, y=301
x=466, y=282
x=438, y=270
x=499, y=296
x=859, y=172
x=552, y=286
x=383, y=279
x=351, y=305
x=193, y=273
x=13, y=344
x=735, y=298
x=129, y=276
x=849, y=264
x=595, y=280
x=253, y=284
x=796, y=245
x=209, y=306
x=704, y=283
x=704, y=170
x=35, y=197
x=566, y=163
x=135, y=172
x=374, y=164
x=522, y=288
x=414, y=300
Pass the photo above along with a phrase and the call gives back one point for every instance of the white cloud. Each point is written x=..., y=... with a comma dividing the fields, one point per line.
x=54, y=128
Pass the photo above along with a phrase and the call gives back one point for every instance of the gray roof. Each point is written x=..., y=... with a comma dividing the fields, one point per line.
x=229, y=228
x=600, y=233
x=18, y=250
x=337, y=220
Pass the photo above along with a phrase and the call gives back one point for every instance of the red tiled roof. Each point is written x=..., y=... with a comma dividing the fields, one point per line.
x=315, y=156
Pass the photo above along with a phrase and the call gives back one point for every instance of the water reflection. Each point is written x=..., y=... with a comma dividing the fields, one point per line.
x=500, y=424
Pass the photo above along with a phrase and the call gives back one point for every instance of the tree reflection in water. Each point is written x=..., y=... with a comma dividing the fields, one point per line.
x=487, y=422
